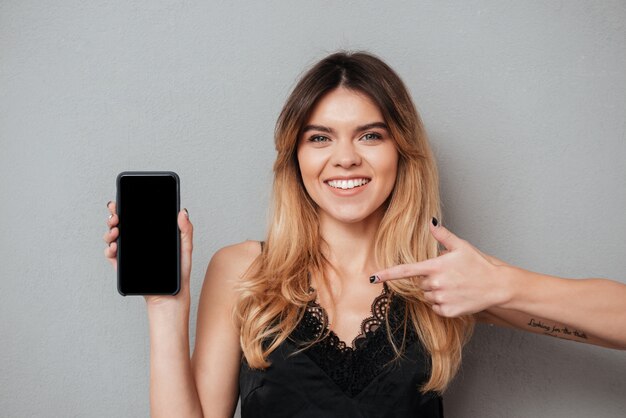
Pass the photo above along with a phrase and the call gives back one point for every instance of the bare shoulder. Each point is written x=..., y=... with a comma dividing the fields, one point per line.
x=226, y=268
x=236, y=259
x=229, y=264
x=240, y=252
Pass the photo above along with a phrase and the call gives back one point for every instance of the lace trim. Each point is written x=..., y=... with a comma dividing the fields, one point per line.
x=369, y=325
x=352, y=369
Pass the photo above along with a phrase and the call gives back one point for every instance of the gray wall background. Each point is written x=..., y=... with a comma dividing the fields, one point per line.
x=524, y=103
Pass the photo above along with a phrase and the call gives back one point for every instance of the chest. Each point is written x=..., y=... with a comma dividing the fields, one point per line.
x=351, y=316
x=314, y=371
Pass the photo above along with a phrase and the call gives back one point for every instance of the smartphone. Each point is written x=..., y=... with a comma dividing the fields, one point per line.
x=148, y=245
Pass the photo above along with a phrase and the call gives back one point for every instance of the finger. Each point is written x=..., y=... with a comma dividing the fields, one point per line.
x=429, y=284
x=185, y=226
x=423, y=268
x=110, y=253
x=437, y=309
x=445, y=237
x=112, y=220
x=111, y=206
x=111, y=236
x=186, y=237
x=429, y=297
x=446, y=310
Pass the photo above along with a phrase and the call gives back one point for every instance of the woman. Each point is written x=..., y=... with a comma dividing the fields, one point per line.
x=348, y=308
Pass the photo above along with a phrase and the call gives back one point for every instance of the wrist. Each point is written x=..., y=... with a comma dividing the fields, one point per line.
x=169, y=327
x=521, y=288
x=181, y=301
x=168, y=309
x=510, y=286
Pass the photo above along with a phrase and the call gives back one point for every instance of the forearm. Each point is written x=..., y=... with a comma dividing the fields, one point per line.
x=590, y=308
x=172, y=386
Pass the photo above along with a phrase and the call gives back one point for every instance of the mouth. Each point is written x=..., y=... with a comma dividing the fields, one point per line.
x=347, y=184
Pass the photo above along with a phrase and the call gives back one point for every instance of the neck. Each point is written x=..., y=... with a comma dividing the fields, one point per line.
x=349, y=247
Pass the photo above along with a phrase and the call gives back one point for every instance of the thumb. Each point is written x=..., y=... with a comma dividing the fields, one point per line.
x=445, y=237
x=186, y=239
x=186, y=230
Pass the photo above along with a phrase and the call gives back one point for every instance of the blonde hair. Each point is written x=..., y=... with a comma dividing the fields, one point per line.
x=273, y=297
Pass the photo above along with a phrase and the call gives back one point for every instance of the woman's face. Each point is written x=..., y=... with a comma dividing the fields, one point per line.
x=347, y=157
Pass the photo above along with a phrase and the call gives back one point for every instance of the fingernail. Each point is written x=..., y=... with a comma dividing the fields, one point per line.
x=110, y=216
x=435, y=221
x=186, y=212
x=108, y=203
x=374, y=279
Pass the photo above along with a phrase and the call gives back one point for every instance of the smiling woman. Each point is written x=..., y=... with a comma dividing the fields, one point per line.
x=355, y=187
x=355, y=192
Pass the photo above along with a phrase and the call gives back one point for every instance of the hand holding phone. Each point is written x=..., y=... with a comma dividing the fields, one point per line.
x=168, y=315
x=150, y=240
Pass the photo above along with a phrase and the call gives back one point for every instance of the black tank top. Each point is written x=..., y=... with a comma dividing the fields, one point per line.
x=330, y=379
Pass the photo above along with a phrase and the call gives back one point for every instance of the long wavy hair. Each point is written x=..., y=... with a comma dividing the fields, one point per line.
x=274, y=293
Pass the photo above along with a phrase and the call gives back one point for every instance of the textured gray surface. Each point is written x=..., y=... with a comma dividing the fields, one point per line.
x=524, y=102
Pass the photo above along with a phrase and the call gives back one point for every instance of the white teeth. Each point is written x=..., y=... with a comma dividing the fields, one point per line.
x=347, y=184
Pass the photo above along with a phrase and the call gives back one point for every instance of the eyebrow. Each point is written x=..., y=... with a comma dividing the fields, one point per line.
x=365, y=127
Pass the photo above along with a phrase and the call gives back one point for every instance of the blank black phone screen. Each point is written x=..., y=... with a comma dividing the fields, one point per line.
x=149, y=238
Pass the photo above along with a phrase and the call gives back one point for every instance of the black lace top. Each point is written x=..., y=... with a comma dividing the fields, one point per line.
x=332, y=379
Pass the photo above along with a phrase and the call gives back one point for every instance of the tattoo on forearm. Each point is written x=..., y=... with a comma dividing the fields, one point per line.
x=555, y=331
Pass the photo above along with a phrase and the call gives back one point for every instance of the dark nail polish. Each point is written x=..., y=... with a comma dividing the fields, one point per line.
x=435, y=221
x=374, y=279
x=186, y=212
x=108, y=203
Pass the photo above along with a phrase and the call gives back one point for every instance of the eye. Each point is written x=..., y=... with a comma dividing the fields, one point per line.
x=371, y=136
x=318, y=139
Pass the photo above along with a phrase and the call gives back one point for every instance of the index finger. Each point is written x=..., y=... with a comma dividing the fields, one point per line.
x=111, y=206
x=423, y=268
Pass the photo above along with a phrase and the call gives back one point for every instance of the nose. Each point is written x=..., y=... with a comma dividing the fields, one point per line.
x=345, y=155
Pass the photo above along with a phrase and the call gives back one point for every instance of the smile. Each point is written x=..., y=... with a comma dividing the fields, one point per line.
x=347, y=184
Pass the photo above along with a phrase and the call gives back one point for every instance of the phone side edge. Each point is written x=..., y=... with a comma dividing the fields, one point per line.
x=178, y=244
x=117, y=205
